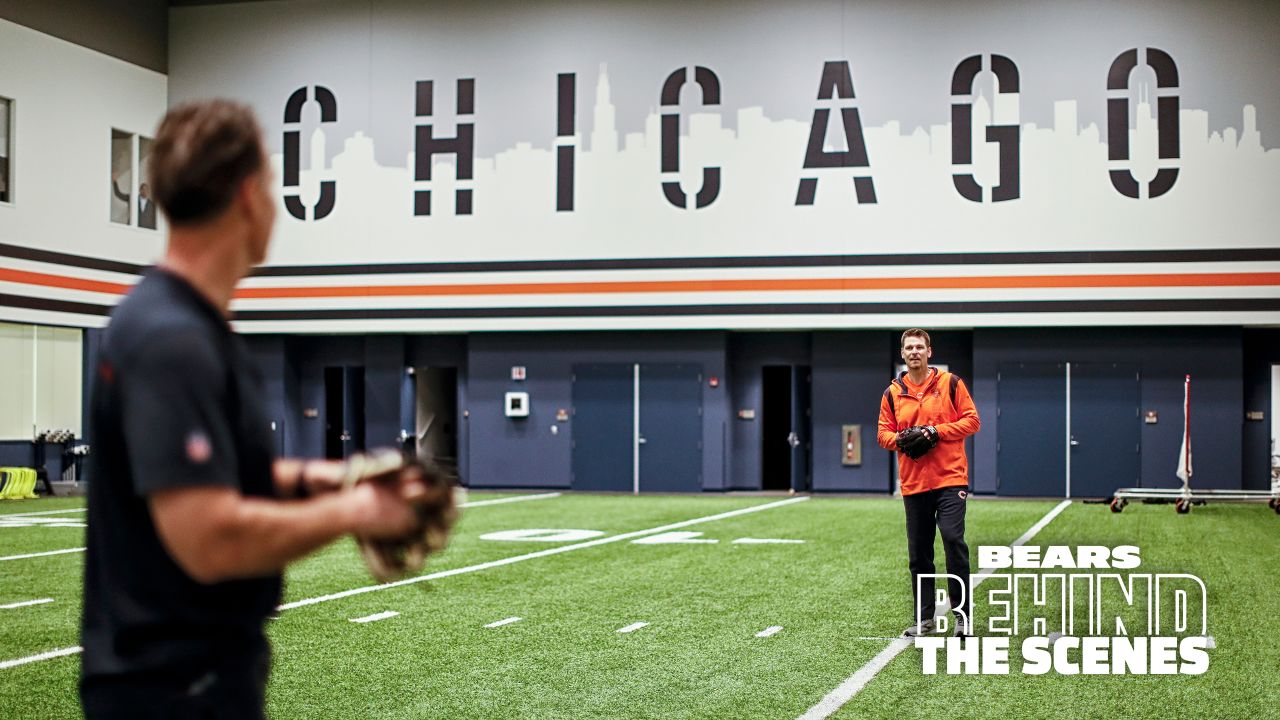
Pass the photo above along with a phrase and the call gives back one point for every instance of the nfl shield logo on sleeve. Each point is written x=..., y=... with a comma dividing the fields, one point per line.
x=199, y=450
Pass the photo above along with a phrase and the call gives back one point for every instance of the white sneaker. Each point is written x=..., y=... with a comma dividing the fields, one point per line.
x=925, y=628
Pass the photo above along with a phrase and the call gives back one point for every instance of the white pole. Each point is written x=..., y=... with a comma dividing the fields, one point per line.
x=1184, y=455
x=134, y=184
x=35, y=379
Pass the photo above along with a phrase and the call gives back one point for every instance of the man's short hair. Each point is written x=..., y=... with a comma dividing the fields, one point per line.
x=915, y=332
x=203, y=151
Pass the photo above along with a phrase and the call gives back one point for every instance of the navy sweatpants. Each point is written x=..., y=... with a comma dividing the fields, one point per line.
x=942, y=510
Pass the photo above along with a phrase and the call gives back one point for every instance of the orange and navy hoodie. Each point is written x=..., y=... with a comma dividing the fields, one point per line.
x=943, y=402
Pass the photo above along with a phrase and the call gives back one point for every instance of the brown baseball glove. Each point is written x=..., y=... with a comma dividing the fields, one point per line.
x=391, y=559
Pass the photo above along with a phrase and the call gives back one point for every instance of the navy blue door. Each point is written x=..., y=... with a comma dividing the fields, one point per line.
x=670, y=428
x=1031, y=400
x=603, y=406
x=1104, y=428
x=353, y=410
x=344, y=411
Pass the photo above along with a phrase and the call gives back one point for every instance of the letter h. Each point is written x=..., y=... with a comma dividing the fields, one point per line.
x=427, y=146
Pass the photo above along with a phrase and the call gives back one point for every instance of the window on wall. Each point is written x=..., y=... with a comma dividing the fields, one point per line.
x=131, y=202
x=6, y=150
x=121, y=177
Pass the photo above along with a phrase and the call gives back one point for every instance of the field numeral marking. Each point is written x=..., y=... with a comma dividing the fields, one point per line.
x=541, y=553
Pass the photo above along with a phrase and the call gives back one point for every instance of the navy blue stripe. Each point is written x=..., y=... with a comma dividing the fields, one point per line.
x=58, y=258
x=65, y=306
x=957, y=308
x=958, y=259
x=993, y=258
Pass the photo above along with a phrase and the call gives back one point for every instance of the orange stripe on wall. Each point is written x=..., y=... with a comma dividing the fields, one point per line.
x=61, y=281
x=764, y=285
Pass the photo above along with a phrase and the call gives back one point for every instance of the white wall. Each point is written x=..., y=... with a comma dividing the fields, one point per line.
x=483, y=273
x=66, y=101
x=372, y=54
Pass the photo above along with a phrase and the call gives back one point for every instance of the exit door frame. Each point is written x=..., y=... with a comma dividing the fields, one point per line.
x=1070, y=439
x=636, y=439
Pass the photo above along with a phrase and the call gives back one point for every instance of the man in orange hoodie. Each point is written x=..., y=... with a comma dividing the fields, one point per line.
x=925, y=415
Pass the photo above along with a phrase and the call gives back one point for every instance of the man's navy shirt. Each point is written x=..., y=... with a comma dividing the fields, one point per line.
x=177, y=403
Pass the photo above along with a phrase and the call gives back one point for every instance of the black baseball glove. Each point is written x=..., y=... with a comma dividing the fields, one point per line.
x=389, y=559
x=917, y=440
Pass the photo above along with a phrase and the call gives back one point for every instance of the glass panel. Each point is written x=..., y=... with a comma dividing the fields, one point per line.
x=16, y=392
x=6, y=144
x=121, y=177
x=146, y=208
x=41, y=366
x=57, y=376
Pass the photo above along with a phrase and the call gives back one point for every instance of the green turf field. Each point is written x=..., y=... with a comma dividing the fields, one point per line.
x=835, y=596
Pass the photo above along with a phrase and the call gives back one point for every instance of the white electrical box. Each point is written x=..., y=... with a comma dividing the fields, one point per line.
x=517, y=404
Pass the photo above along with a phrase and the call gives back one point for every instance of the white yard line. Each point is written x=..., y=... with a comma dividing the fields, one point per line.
x=42, y=554
x=1026, y=537
x=478, y=503
x=633, y=627
x=852, y=685
x=539, y=554
x=45, y=512
x=42, y=656
x=769, y=631
x=500, y=623
x=517, y=498
x=544, y=496
x=376, y=617
x=837, y=698
x=42, y=522
x=26, y=603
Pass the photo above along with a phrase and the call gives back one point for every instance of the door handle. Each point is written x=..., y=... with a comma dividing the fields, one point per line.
x=641, y=441
x=793, y=440
x=345, y=435
x=1074, y=442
